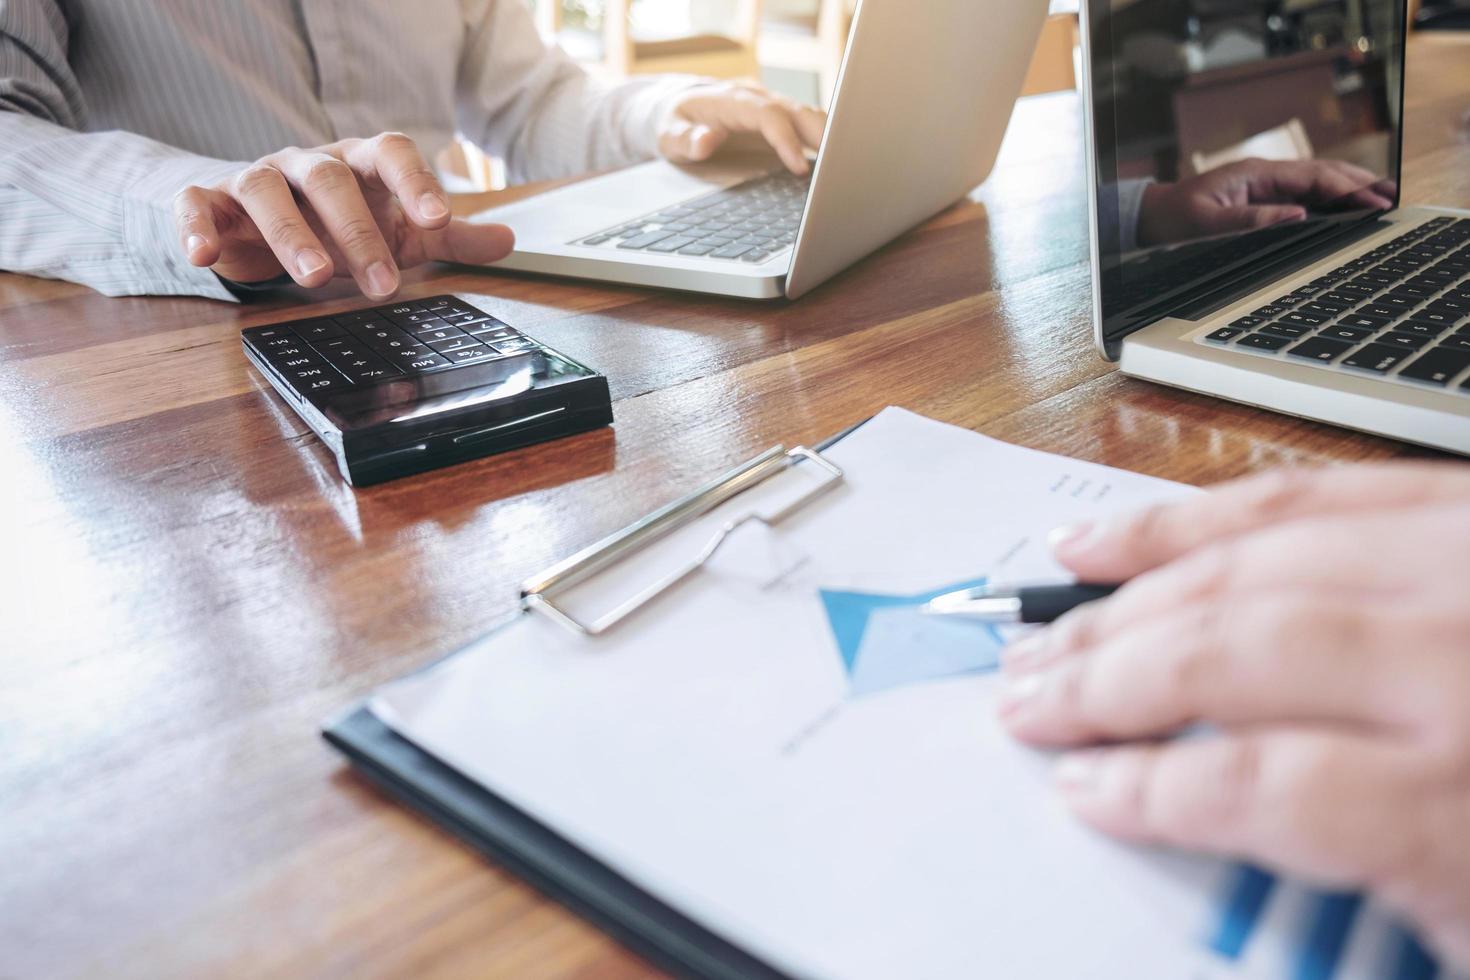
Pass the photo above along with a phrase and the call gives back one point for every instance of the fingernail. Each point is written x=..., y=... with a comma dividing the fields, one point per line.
x=382, y=279
x=194, y=244
x=1019, y=695
x=1078, y=773
x=309, y=262
x=1068, y=534
x=432, y=206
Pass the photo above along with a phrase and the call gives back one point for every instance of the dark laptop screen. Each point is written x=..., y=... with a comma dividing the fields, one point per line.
x=1224, y=130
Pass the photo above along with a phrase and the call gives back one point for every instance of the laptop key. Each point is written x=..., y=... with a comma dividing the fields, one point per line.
x=643, y=241
x=1437, y=366
x=698, y=248
x=1262, y=341
x=672, y=244
x=730, y=251
x=755, y=255
x=1324, y=349
x=1348, y=331
x=1226, y=334
x=1378, y=358
x=1289, y=330
x=1409, y=341
x=1421, y=328
x=1306, y=318
x=1457, y=342
x=1268, y=312
x=1246, y=322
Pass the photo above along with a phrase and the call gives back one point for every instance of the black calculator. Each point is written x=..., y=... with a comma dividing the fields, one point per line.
x=418, y=384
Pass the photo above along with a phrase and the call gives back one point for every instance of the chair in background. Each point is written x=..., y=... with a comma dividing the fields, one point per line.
x=729, y=54
x=811, y=42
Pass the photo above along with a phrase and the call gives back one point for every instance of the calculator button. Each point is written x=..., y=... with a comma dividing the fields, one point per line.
x=262, y=334
x=419, y=329
x=436, y=302
x=369, y=373
x=454, y=343
x=491, y=329
x=404, y=355
x=357, y=318
x=277, y=341
x=514, y=344
x=401, y=309
x=297, y=363
x=432, y=337
x=324, y=383
x=468, y=354
x=467, y=319
x=408, y=319
x=313, y=331
x=378, y=331
x=427, y=362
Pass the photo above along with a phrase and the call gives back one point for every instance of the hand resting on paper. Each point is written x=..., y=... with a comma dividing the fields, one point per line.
x=1319, y=622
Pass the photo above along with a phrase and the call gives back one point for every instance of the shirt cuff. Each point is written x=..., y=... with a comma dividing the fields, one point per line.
x=648, y=111
x=151, y=235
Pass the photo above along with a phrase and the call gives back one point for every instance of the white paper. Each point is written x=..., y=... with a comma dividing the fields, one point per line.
x=711, y=748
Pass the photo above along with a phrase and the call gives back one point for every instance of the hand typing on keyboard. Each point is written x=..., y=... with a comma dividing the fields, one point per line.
x=358, y=208
x=1318, y=621
x=705, y=117
x=1254, y=194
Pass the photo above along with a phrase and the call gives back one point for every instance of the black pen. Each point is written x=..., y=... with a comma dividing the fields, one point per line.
x=1019, y=604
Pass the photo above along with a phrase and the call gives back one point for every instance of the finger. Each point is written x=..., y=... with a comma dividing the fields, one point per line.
x=1314, y=804
x=1249, y=217
x=1122, y=547
x=1296, y=657
x=330, y=187
x=811, y=124
x=194, y=219
x=689, y=142
x=392, y=162
x=1320, y=555
x=265, y=195
x=469, y=244
x=779, y=129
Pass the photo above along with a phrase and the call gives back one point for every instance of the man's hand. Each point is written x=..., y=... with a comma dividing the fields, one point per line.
x=1255, y=194
x=359, y=208
x=1319, y=623
x=708, y=115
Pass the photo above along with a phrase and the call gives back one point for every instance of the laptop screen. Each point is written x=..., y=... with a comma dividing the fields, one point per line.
x=1225, y=130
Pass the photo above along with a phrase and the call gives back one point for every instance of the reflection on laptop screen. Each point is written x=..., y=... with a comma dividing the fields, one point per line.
x=1226, y=129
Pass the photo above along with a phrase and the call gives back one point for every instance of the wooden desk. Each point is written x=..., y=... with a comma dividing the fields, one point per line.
x=190, y=590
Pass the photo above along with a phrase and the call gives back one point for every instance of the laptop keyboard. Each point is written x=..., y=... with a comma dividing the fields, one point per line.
x=1400, y=312
x=750, y=222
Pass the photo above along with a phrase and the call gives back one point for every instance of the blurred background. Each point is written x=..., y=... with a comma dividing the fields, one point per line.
x=794, y=47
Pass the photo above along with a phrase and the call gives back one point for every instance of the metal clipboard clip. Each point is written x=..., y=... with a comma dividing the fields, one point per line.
x=537, y=593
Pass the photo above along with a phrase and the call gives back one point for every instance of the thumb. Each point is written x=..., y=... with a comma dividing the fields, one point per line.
x=469, y=244
x=684, y=141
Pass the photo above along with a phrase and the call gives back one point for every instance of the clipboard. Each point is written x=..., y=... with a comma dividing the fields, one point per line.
x=522, y=845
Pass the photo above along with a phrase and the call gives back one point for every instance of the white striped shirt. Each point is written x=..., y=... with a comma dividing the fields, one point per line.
x=109, y=107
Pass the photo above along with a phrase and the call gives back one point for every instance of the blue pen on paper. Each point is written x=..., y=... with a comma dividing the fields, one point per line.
x=887, y=641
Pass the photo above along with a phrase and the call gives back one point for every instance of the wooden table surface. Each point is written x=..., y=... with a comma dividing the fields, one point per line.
x=189, y=589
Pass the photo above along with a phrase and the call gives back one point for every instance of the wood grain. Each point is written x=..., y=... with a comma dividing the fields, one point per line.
x=190, y=590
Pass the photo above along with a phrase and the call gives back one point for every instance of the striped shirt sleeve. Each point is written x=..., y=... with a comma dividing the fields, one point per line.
x=530, y=104
x=94, y=208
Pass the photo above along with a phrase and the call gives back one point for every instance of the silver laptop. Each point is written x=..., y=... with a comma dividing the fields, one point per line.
x=922, y=103
x=1350, y=310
